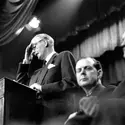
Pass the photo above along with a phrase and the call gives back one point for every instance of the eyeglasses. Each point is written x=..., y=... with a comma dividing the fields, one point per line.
x=34, y=44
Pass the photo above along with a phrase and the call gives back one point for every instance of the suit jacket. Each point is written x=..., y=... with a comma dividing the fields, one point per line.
x=57, y=79
x=119, y=91
x=110, y=112
x=107, y=107
x=112, y=108
x=80, y=93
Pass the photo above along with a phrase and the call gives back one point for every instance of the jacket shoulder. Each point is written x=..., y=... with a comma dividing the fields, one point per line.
x=65, y=53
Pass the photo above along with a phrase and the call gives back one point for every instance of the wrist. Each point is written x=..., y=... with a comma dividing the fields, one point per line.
x=25, y=61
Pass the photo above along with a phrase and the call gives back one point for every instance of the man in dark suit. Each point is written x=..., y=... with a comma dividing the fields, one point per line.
x=88, y=73
x=54, y=80
x=110, y=112
x=102, y=112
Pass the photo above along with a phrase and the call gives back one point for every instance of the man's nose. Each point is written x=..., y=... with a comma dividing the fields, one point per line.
x=34, y=46
x=83, y=71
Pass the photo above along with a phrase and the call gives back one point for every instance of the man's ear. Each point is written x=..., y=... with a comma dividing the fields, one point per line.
x=46, y=43
x=100, y=73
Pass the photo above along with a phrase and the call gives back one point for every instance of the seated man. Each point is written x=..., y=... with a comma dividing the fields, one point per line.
x=88, y=73
x=100, y=112
x=88, y=106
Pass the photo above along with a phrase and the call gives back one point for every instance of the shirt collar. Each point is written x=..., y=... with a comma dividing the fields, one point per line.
x=89, y=93
x=49, y=56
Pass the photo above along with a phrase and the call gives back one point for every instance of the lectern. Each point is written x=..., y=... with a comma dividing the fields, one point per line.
x=17, y=103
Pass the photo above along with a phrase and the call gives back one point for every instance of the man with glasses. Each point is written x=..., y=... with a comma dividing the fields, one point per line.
x=54, y=80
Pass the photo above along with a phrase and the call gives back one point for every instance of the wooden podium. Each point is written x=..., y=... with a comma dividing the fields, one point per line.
x=17, y=103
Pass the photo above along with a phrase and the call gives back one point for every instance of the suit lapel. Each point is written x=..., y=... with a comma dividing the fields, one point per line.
x=45, y=69
x=34, y=77
x=99, y=88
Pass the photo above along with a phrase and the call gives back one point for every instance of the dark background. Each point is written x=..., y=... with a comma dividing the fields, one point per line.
x=65, y=20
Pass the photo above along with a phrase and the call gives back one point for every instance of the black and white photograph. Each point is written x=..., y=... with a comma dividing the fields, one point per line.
x=62, y=62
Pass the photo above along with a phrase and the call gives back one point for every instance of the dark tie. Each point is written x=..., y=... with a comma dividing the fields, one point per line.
x=43, y=63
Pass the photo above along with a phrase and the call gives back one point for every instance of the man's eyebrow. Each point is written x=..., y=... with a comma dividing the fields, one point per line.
x=41, y=40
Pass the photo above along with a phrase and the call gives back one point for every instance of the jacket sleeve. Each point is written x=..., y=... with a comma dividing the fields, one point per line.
x=67, y=73
x=119, y=91
x=22, y=74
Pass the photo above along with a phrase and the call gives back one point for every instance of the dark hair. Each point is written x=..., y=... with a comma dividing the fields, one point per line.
x=97, y=64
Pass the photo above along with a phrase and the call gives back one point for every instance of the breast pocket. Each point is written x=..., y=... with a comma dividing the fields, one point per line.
x=53, y=74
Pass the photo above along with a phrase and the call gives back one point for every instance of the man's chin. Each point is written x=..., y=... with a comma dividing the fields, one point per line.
x=84, y=84
x=40, y=57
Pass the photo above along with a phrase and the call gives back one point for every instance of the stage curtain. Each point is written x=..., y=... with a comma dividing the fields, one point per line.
x=14, y=14
x=101, y=43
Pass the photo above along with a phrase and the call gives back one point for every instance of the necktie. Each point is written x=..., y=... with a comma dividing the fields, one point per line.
x=43, y=63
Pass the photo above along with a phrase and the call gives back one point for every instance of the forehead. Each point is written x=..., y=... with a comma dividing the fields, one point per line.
x=36, y=39
x=84, y=62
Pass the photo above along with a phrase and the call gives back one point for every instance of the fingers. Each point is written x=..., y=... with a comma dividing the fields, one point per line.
x=91, y=110
x=70, y=117
x=89, y=105
x=29, y=53
x=36, y=86
x=29, y=49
